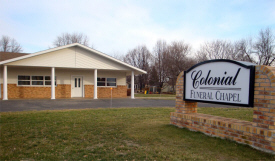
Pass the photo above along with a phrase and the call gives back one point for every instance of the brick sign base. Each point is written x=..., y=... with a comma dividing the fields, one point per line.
x=259, y=134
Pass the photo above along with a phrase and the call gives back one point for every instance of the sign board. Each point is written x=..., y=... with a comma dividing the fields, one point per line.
x=220, y=81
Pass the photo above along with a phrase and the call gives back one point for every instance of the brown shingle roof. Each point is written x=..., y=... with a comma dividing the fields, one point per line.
x=9, y=55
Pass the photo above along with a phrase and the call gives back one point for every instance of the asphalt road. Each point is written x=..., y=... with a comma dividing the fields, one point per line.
x=60, y=104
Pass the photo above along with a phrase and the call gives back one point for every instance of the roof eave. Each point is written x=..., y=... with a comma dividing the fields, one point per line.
x=37, y=53
x=72, y=45
x=109, y=57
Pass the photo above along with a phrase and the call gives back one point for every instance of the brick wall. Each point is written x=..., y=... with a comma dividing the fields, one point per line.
x=62, y=91
x=14, y=91
x=89, y=91
x=105, y=92
x=183, y=106
x=259, y=134
x=264, y=97
x=117, y=92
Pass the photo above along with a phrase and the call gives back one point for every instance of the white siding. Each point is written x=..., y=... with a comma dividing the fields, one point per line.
x=73, y=57
x=84, y=59
x=60, y=58
x=63, y=75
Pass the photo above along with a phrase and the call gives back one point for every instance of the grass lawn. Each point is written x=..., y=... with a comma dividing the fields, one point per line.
x=240, y=113
x=155, y=95
x=114, y=134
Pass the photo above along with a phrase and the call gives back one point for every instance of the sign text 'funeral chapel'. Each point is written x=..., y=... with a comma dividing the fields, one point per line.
x=220, y=81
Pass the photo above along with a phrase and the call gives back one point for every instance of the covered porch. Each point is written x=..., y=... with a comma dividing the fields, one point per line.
x=57, y=82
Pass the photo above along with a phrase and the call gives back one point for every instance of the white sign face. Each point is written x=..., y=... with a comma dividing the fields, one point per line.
x=220, y=81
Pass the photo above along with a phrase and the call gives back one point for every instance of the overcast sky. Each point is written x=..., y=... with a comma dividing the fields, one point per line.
x=115, y=26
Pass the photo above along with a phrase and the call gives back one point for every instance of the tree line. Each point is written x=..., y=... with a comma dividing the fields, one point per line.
x=8, y=44
x=166, y=60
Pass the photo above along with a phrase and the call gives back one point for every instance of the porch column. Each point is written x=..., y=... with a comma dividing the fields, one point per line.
x=132, y=85
x=5, y=83
x=95, y=84
x=53, y=84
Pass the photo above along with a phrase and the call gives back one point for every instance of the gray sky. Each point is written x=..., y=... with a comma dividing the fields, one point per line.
x=115, y=26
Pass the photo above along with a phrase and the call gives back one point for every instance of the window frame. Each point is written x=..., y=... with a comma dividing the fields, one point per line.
x=101, y=81
x=33, y=80
x=24, y=80
x=37, y=80
x=106, y=81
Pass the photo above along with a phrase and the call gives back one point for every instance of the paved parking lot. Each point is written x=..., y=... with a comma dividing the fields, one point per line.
x=80, y=103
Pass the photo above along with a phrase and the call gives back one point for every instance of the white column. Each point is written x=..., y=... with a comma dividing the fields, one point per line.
x=5, y=83
x=132, y=85
x=53, y=83
x=95, y=84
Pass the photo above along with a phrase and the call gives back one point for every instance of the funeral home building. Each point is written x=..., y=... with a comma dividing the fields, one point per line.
x=68, y=71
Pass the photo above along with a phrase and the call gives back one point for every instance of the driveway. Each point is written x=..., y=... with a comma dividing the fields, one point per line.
x=80, y=103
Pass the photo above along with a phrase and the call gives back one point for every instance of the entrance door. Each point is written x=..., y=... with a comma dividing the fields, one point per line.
x=77, y=86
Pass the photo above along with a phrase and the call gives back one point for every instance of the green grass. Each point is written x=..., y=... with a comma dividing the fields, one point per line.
x=112, y=134
x=240, y=113
x=155, y=95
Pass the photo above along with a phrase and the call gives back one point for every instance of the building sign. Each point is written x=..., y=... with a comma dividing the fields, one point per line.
x=220, y=81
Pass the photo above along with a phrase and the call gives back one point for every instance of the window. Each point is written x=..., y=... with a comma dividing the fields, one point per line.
x=101, y=82
x=37, y=80
x=111, y=81
x=106, y=82
x=48, y=81
x=26, y=80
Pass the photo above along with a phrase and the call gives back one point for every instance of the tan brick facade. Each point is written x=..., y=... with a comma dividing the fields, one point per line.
x=14, y=91
x=62, y=91
x=117, y=92
x=89, y=91
x=105, y=92
x=264, y=97
x=259, y=134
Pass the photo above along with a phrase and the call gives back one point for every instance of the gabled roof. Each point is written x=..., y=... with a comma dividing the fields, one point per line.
x=9, y=55
x=73, y=45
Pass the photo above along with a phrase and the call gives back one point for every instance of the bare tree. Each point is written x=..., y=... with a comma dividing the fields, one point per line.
x=217, y=49
x=8, y=44
x=175, y=60
x=261, y=51
x=264, y=47
x=153, y=76
x=220, y=49
x=140, y=57
x=118, y=56
x=159, y=50
x=243, y=50
x=66, y=38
